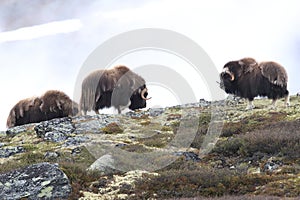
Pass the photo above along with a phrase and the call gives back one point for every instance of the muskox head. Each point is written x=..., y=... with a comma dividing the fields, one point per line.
x=130, y=91
x=233, y=71
x=138, y=98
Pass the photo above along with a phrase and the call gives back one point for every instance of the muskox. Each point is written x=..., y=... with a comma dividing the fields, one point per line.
x=118, y=87
x=248, y=79
x=52, y=104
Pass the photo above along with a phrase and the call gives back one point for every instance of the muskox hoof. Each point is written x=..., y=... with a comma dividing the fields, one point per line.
x=272, y=107
x=250, y=107
x=287, y=104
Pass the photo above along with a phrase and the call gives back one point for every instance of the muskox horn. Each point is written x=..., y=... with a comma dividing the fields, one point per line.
x=232, y=76
x=226, y=71
x=143, y=94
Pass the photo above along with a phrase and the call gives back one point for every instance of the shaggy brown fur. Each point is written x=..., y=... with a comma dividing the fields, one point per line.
x=275, y=73
x=248, y=79
x=118, y=87
x=53, y=104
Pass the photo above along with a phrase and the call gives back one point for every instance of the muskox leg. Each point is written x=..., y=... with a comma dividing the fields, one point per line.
x=250, y=105
x=287, y=99
x=273, y=105
x=119, y=111
x=97, y=112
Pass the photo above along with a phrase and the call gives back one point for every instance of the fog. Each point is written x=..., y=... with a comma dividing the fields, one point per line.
x=43, y=44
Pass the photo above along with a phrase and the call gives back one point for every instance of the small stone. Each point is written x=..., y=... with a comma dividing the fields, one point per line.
x=75, y=141
x=51, y=155
x=55, y=136
x=204, y=103
x=154, y=112
x=189, y=156
x=121, y=145
x=76, y=151
x=9, y=151
x=271, y=165
x=105, y=164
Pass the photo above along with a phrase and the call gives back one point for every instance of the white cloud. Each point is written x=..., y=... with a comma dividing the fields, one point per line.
x=33, y=32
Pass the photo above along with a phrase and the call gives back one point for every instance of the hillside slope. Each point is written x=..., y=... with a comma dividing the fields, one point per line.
x=205, y=150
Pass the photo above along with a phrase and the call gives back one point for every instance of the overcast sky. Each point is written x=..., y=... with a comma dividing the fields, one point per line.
x=43, y=44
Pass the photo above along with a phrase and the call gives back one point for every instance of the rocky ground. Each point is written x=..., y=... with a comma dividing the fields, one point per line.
x=205, y=150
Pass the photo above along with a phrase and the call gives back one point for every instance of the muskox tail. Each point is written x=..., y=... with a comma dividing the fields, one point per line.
x=88, y=92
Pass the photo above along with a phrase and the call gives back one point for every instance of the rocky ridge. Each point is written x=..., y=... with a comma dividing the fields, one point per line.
x=111, y=156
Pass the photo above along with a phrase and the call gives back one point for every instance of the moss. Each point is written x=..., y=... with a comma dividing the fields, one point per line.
x=204, y=118
x=30, y=147
x=166, y=128
x=137, y=148
x=79, y=177
x=112, y=128
x=145, y=122
x=22, y=160
x=158, y=140
x=228, y=147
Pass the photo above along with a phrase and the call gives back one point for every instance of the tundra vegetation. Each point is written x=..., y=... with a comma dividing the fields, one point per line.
x=256, y=156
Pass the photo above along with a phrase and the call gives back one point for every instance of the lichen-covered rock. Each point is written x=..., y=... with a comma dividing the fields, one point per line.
x=93, y=124
x=5, y=152
x=75, y=141
x=104, y=164
x=56, y=130
x=18, y=129
x=39, y=181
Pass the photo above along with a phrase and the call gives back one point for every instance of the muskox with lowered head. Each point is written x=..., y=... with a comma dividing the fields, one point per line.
x=53, y=104
x=247, y=79
x=118, y=87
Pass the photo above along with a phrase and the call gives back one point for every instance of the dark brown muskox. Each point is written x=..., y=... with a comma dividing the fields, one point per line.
x=118, y=87
x=247, y=79
x=53, y=104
